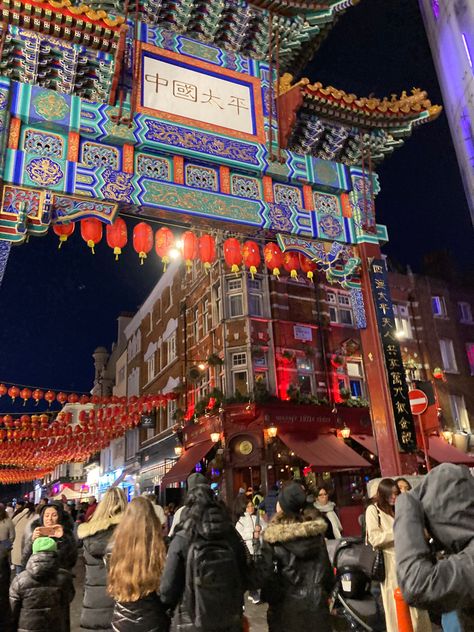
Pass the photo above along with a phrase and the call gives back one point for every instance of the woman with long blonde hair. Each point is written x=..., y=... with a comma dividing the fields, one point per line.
x=97, y=605
x=135, y=569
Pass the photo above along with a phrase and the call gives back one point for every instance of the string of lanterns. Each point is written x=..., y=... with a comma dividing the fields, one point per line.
x=189, y=246
x=14, y=476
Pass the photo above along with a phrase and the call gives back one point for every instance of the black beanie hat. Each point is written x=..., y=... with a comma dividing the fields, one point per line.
x=292, y=498
x=195, y=479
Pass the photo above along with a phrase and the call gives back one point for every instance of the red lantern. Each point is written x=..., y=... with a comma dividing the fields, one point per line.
x=251, y=256
x=232, y=254
x=117, y=236
x=13, y=391
x=25, y=420
x=142, y=240
x=3, y=390
x=50, y=396
x=164, y=241
x=62, y=398
x=91, y=231
x=64, y=231
x=73, y=398
x=273, y=258
x=308, y=266
x=37, y=395
x=25, y=395
x=84, y=399
x=207, y=251
x=190, y=248
x=291, y=263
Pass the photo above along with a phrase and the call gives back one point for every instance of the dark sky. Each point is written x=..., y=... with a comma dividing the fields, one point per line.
x=57, y=306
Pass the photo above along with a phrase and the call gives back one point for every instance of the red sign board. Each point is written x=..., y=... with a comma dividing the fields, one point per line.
x=418, y=401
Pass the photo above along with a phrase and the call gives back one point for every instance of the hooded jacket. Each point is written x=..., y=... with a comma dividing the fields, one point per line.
x=97, y=605
x=444, y=503
x=4, y=584
x=67, y=545
x=144, y=615
x=299, y=576
x=40, y=595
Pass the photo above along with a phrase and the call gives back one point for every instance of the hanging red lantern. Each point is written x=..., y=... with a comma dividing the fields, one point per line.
x=13, y=391
x=233, y=254
x=251, y=256
x=273, y=258
x=117, y=236
x=308, y=266
x=190, y=248
x=64, y=231
x=7, y=421
x=25, y=395
x=142, y=240
x=84, y=399
x=37, y=395
x=25, y=420
x=50, y=396
x=164, y=241
x=91, y=231
x=291, y=263
x=207, y=251
x=61, y=397
x=73, y=398
x=3, y=390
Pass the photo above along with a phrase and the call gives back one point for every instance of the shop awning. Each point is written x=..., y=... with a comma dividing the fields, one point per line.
x=367, y=441
x=184, y=466
x=442, y=452
x=324, y=452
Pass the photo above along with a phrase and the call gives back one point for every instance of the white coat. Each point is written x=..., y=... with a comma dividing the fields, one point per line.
x=246, y=526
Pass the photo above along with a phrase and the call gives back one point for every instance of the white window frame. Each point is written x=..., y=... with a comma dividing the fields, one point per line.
x=242, y=355
x=441, y=305
x=234, y=373
x=339, y=302
x=216, y=304
x=205, y=317
x=235, y=291
x=171, y=407
x=171, y=353
x=403, y=328
x=305, y=371
x=465, y=312
x=448, y=356
x=459, y=412
x=150, y=365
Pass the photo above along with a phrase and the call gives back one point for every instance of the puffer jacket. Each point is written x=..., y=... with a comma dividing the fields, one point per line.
x=298, y=576
x=215, y=525
x=5, y=621
x=20, y=522
x=145, y=615
x=97, y=605
x=444, y=503
x=40, y=595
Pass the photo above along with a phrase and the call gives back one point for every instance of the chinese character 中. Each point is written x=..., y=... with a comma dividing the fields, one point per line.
x=157, y=80
x=183, y=90
x=238, y=103
x=212, y=98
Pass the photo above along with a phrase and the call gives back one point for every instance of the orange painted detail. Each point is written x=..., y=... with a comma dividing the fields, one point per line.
x=178, y=169
x=403, y=613
x=128, y=155
x=73, y=147
x=308, y=197
x=14, y=134
x=346, y=205
x=224, y=173
x=267, y=189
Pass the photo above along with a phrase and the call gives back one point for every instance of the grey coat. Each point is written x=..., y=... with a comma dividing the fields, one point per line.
x=444, y=502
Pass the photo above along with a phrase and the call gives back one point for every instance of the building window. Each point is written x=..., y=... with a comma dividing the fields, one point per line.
x=216, y=304
x=465, y=313
x=239, y=359
x=171, y=406
x=171, y=348
x=340, y=309
x=438, y=306
x=150, y=363
x=261, y=379
x=260, y=360
x=355, y=377
x=255, y=297
x=202, y=387
x=402, y=322
x=205, y=317
x=470, y=356
x=195, y=324
x=305, y=375
x=459, y=411
x=235, y=298
x=447, y=355
x=239, y=382
x=121, y=375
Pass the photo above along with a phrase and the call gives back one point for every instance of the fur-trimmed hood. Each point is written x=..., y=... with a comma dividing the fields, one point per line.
x=302, y=539
x=87, y=529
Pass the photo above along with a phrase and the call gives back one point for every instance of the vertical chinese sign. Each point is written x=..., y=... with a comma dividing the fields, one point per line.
x=404, y=424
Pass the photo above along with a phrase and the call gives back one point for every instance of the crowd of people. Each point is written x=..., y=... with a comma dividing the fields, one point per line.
x=146, y=567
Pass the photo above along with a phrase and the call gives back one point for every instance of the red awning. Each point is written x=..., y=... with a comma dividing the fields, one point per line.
x=324, y=452
x=443, y=452
x=368, y=441
x=184, y=466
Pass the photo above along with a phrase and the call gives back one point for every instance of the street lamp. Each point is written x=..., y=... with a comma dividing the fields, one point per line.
x=178, y=450
x=272, y=431
x=215, y=436
x=345, y=432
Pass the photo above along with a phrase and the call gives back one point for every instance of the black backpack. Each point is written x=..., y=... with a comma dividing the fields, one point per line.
x=213, y=593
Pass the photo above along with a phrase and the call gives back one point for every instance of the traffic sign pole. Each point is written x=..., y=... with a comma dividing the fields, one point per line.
x=418, y=405
x=425, y=446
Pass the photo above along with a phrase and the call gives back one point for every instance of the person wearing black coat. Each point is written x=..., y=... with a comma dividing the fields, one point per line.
x=5, y=621
x=207, y=519
x=297, y=573
x=51, y=515
x=40, y=595
x=97, y=605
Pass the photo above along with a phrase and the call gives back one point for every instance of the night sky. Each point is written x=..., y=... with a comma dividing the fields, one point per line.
x=57, y=306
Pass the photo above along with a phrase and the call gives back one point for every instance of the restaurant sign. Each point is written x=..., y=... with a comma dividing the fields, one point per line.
x=404, y=423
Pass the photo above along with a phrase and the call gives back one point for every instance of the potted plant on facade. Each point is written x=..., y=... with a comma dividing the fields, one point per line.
x=288, y=358
x=344, y=393
x=215, y=360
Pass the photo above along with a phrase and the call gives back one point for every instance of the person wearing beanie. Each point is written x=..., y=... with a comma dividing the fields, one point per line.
x=297, y=573
x=193, y=480
x=40, y=595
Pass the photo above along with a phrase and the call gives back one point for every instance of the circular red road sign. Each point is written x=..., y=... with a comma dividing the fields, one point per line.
x=418, y=401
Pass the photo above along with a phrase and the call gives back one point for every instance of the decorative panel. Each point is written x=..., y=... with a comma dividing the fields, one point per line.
x=201, y=177
x=98, y=155
x=245, y=187
x=43, y=144
x=286, y=194
x=153, y=167
x=326, y=204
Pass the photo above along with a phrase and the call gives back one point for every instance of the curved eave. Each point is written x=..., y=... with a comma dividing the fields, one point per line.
x=52, y=8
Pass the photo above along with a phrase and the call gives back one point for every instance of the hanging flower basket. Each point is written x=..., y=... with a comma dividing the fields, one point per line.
x=337, y=361
x=215, y=360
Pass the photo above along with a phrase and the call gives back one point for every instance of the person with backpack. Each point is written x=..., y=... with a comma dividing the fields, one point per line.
x=135, y=568
x=206, y=568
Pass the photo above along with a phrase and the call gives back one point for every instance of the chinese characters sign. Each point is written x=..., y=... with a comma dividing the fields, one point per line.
x=404, y=423
x=182, y=89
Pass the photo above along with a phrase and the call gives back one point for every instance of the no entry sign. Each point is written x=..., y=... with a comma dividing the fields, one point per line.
x=418, y=401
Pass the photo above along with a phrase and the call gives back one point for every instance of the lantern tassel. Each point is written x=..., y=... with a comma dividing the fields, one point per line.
x=294, y=274
x=235, y=268
x=117, y=252
x=253, y=271
x=91, y=245
x=310, y=275
x=276, y=272
x=189, y=265
x=165, y=260
x=62, y=239
x=142, y=256
x=207, y=266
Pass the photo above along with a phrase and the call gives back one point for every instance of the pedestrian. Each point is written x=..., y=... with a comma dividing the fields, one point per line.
x=379, y=518
x=5, y=619
x=40, y=595
x=135, y=569
x=20, y=505
x=7, y=530
x=444, y=503
x=250, y=526
x=9, y=510
x=91, y=508
x=20, y=522
x=169, y=513
x=158, y=509
x=194, y=479
x=297, y=575
x=56, y=524
x=328, y=511
x=270, y=502
x=403, y=485
x=205, y=573
x=97, y=605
